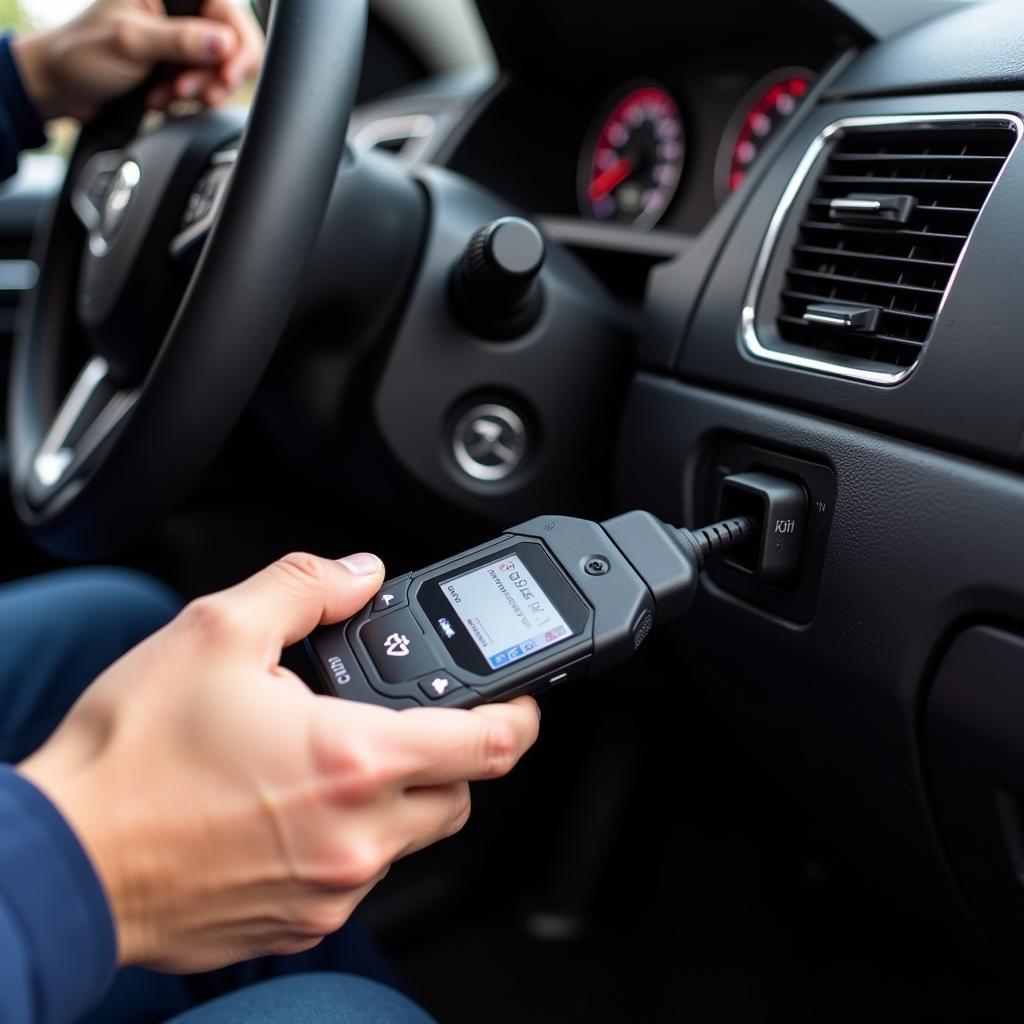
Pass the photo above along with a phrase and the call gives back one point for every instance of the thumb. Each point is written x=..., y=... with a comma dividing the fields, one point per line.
x=290, y=598
x=198, y=42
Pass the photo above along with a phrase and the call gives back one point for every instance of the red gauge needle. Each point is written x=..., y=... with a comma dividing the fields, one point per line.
x=610, y=179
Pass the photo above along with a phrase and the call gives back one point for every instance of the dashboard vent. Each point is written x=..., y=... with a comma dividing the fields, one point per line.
x=406, y=136
x=881, y=234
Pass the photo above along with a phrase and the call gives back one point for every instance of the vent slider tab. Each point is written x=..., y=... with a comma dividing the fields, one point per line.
x=842, y=315
x=867, y=207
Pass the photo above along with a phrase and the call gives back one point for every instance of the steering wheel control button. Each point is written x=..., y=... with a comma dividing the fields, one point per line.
x=489, y=442
x=440, y=686
x=204, y=202
x=495, y=286
x=200, y=203
x=398, y=647
x=394, y=594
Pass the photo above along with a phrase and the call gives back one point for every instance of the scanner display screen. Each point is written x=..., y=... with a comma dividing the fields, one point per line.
x=505, y=611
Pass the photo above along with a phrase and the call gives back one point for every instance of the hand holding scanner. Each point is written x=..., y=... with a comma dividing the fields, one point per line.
x=548, y=601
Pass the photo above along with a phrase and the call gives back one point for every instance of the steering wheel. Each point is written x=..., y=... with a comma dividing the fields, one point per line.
x=121, y=393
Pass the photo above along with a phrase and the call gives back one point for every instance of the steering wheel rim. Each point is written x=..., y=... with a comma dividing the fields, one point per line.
x=158, y=438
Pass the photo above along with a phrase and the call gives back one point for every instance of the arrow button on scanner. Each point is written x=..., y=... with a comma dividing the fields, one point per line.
x=394, y=594
x=440, y=685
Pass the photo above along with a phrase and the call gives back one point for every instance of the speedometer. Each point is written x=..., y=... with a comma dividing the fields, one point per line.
x=632, y=158
x=763, y=111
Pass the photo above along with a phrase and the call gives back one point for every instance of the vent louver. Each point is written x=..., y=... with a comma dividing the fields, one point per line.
x=885, y=223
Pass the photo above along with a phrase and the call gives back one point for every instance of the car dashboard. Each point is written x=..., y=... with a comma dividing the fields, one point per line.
x=655, y=147
x=818, y=238
x=796, y=251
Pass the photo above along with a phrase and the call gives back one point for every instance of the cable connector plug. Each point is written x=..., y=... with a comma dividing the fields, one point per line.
x=719, y=538
x=669, y=559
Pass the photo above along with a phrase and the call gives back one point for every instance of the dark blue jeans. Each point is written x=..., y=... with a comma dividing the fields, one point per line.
x=57, y=633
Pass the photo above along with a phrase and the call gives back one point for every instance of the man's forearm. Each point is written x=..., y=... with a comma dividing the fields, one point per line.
x=30, y=52
x=20, y=125
x=57, y=944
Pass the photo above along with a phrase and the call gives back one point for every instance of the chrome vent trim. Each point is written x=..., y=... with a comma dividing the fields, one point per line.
x=748, y=324
x=412, y=132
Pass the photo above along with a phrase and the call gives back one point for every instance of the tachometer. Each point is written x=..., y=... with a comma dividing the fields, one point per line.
x=763, y=111
x=633, y=158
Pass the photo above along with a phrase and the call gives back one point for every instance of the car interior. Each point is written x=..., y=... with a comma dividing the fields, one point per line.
x=781, y=245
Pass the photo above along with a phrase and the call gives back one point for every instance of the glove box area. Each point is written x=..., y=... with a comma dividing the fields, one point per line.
x=974, y=758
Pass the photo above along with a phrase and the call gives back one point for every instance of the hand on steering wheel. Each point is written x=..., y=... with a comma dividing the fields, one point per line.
x=132, y=367
x=115, y=45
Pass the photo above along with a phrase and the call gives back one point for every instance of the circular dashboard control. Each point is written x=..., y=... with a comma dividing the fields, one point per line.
x=495, y=286
x=489, y=442
x=633, y=158
x=764, y=110
x=513, y=247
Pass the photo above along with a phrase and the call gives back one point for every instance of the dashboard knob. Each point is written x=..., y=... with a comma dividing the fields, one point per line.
x=495, y=289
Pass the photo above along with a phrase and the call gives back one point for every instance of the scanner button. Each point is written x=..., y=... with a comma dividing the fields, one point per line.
x=398, y=647
x=394, y=594
x=440, y=685
x=567, y=672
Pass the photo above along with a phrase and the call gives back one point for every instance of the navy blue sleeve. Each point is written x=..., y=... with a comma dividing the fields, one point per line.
x=57, y=942
x=20, y=127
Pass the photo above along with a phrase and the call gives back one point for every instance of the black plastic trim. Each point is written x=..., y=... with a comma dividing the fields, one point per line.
x=920, y=543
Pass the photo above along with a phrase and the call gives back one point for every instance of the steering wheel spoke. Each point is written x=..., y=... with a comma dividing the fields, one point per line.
x=92, y=191
x=87, y=418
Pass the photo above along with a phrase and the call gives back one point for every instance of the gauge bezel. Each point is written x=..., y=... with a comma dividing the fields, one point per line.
x=727, y=145
x=644, y=222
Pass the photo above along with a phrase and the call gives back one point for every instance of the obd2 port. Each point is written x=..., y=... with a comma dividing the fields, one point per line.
x=773, y=555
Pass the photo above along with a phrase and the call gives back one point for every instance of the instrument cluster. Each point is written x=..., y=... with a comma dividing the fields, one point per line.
x=634, y=158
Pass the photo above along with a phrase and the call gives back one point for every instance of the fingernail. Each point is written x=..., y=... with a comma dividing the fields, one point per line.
x=216, y=44
x=362, y=564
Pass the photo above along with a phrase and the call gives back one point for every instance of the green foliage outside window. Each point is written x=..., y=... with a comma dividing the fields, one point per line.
x=13, y=16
